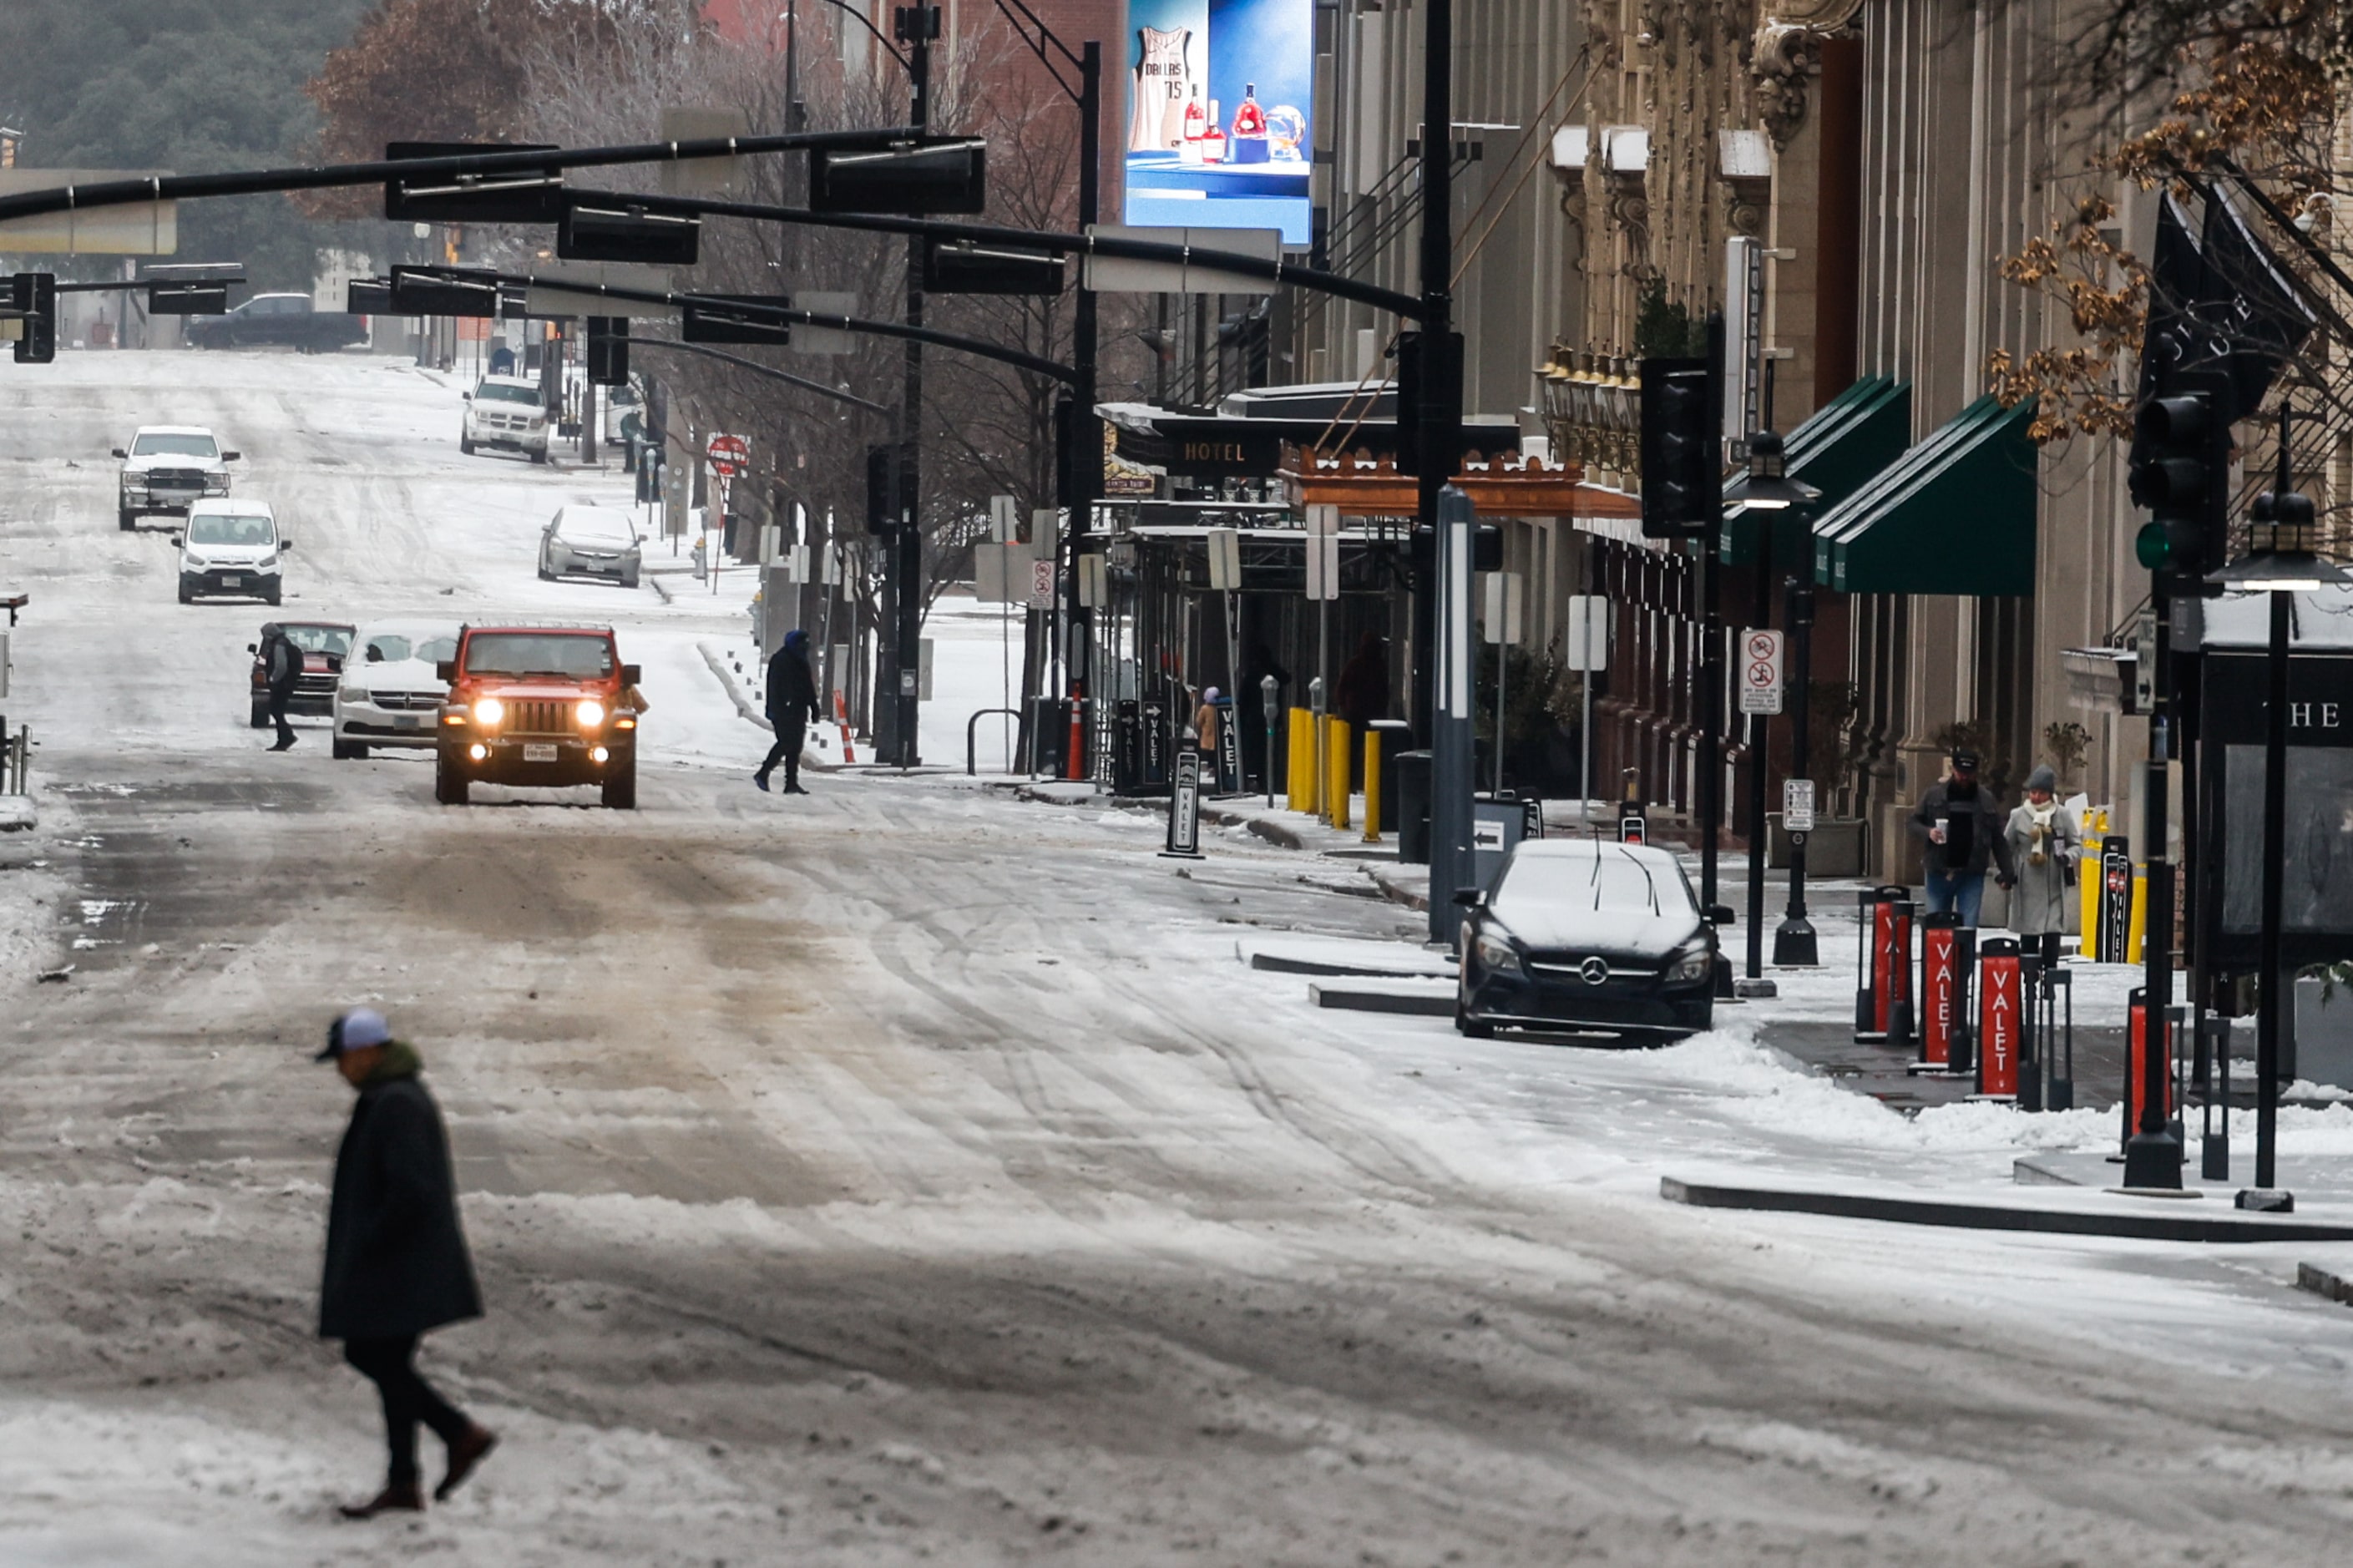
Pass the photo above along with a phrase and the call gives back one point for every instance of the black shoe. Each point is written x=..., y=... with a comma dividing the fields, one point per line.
x=407, y=1499
x=795, y=789
x=286, y=744
x=464, y=1454
x=759, y=783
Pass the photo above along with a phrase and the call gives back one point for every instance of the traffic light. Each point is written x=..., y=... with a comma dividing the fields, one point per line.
x=1681, y=447
x=1416, y=366
x=608, y=351
x=961, y=267
x=882, y=471
x=2181, y=473
x=612, y=230
x=930, y=174
x=711, y=318
x=36, y=294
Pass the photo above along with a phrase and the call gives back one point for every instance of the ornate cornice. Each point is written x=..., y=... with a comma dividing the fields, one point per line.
x=1786, y=53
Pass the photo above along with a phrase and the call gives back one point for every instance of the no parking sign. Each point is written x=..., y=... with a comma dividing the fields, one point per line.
x=1761, y=672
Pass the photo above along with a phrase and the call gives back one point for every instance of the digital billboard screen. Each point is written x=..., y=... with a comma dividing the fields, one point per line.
x=1217, y=132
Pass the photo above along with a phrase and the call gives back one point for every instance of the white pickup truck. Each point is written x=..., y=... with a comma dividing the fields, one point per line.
x=168, y=469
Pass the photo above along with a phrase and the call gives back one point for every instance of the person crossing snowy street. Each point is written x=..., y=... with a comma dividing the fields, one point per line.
x=396, y=1262
x=281, y=667
x=792, y=703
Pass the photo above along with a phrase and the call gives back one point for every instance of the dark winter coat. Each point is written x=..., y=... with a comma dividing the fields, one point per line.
x=396, y=1262
x=281, y=663
x=1984, y=826
x=791, y=688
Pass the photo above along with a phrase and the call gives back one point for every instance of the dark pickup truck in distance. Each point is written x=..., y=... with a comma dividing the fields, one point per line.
x=287, y=320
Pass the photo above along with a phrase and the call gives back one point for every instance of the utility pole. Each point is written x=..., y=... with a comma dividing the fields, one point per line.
x=1084, y=463
x=1445, y=513
x=902, y=643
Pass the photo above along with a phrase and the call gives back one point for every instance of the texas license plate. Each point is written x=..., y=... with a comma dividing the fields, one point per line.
x=231, y=581
x=538, y=754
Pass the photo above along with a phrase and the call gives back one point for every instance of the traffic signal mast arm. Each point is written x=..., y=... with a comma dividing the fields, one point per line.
x=1271, y=268
x=333, y=176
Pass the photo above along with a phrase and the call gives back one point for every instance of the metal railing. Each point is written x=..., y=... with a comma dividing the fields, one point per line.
x=972, y=741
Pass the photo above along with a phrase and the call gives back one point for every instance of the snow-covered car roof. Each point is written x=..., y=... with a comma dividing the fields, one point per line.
x=528, y=383
x=586, y=519
x=413, y=629
x=231, y=506
x=174, y=431
x=1586, y=849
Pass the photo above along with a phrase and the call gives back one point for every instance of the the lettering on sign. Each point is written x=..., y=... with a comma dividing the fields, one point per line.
x=2313, y=715
x=1212, y=451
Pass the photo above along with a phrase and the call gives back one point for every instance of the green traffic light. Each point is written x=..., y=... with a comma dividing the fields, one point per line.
x=2153, y=546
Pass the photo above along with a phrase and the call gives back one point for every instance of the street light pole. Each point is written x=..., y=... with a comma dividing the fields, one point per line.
x=915, y=26
x=1444, y=511
x=1794, y=946
x=1759, y=740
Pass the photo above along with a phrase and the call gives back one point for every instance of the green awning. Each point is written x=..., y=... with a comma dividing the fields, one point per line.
x=1838, y=450
x=1953, y=515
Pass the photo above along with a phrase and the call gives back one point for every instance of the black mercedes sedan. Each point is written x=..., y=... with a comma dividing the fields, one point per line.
x=1584, y=935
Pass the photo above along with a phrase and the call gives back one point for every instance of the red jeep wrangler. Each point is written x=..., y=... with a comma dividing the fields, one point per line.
x=538, y=705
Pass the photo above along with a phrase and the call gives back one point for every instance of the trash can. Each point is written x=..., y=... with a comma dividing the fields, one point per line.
x=1413, y=807
x=1050, y=732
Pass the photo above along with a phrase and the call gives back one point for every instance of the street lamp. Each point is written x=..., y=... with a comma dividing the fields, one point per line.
x=1770, y=491
x=2280, y=562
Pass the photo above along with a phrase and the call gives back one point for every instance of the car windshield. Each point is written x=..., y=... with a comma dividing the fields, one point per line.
x=490, y=392
x=218, y=527
x=336, y=640
x=159, y=445
x=608, y=527
x=1611, y=880
x=393, y=647
x=539, y=653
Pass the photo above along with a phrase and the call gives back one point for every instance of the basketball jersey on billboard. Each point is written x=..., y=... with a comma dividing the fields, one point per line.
x=1164, y=80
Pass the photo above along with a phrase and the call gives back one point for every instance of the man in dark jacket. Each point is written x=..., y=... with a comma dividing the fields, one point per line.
x=1962, y=827
x=792, y=703
x=396, y=1262
x=281, y=667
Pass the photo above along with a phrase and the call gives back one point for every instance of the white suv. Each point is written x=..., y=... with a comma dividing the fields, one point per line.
x=168, y=467
x=391, y=690
x=230, y=547
x=505, y=412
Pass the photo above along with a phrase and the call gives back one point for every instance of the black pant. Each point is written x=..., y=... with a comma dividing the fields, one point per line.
x=407, y=1399
x=277, y=700
x=790, y=732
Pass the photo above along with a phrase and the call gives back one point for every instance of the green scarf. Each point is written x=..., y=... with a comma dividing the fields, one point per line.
x=399, y=1060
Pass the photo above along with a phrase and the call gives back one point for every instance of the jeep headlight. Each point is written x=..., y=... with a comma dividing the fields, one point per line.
x=1495, y=951
x=489, y=710
x=590, y=712
x=1686, y=967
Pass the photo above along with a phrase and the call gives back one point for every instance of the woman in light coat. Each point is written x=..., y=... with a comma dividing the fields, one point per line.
x=2043, y=847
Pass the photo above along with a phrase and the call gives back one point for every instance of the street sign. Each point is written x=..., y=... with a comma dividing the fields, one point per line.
x=1041, y=585
x=1002, y=516
x=1119, y=275
x=1323, y=551
x=1761, y=672
x=1501, y=620
x=1585, y=641
x=729, y=455
x=1797, y=805
x=1225, y=559
x=989, y=563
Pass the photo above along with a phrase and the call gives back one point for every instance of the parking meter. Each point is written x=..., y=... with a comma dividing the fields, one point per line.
x=1270, y=699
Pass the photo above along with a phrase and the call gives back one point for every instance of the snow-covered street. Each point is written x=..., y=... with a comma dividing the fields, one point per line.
x=911, y=1173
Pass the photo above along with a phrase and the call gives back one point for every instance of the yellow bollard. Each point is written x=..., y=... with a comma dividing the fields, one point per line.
x=2139, y=920
x=1302, y=770
x=2088, y=877
x=1372, y=786
x=1335, y=759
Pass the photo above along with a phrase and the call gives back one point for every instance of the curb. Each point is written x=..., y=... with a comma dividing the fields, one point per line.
x=1419, y=1002
x=727, y=679
x=2321, y=1282
x=2229, y=1226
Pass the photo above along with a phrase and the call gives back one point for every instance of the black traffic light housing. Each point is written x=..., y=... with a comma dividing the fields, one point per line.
x=445, y=292
x=35, y=295
x=962, y=266
x=608, y=351
x=513, y=195
x=708, y=319
x=1416, y=367
x=2180, y=472
x=932, y=174
x=1682, y=449
x=607, y=230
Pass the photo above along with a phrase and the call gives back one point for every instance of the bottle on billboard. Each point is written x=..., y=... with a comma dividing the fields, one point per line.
x=1213, y=141
x=1197, y=126
x=1249, y=144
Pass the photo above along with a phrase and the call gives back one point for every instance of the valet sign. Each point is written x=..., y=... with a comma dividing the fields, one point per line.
x=1761, y=672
